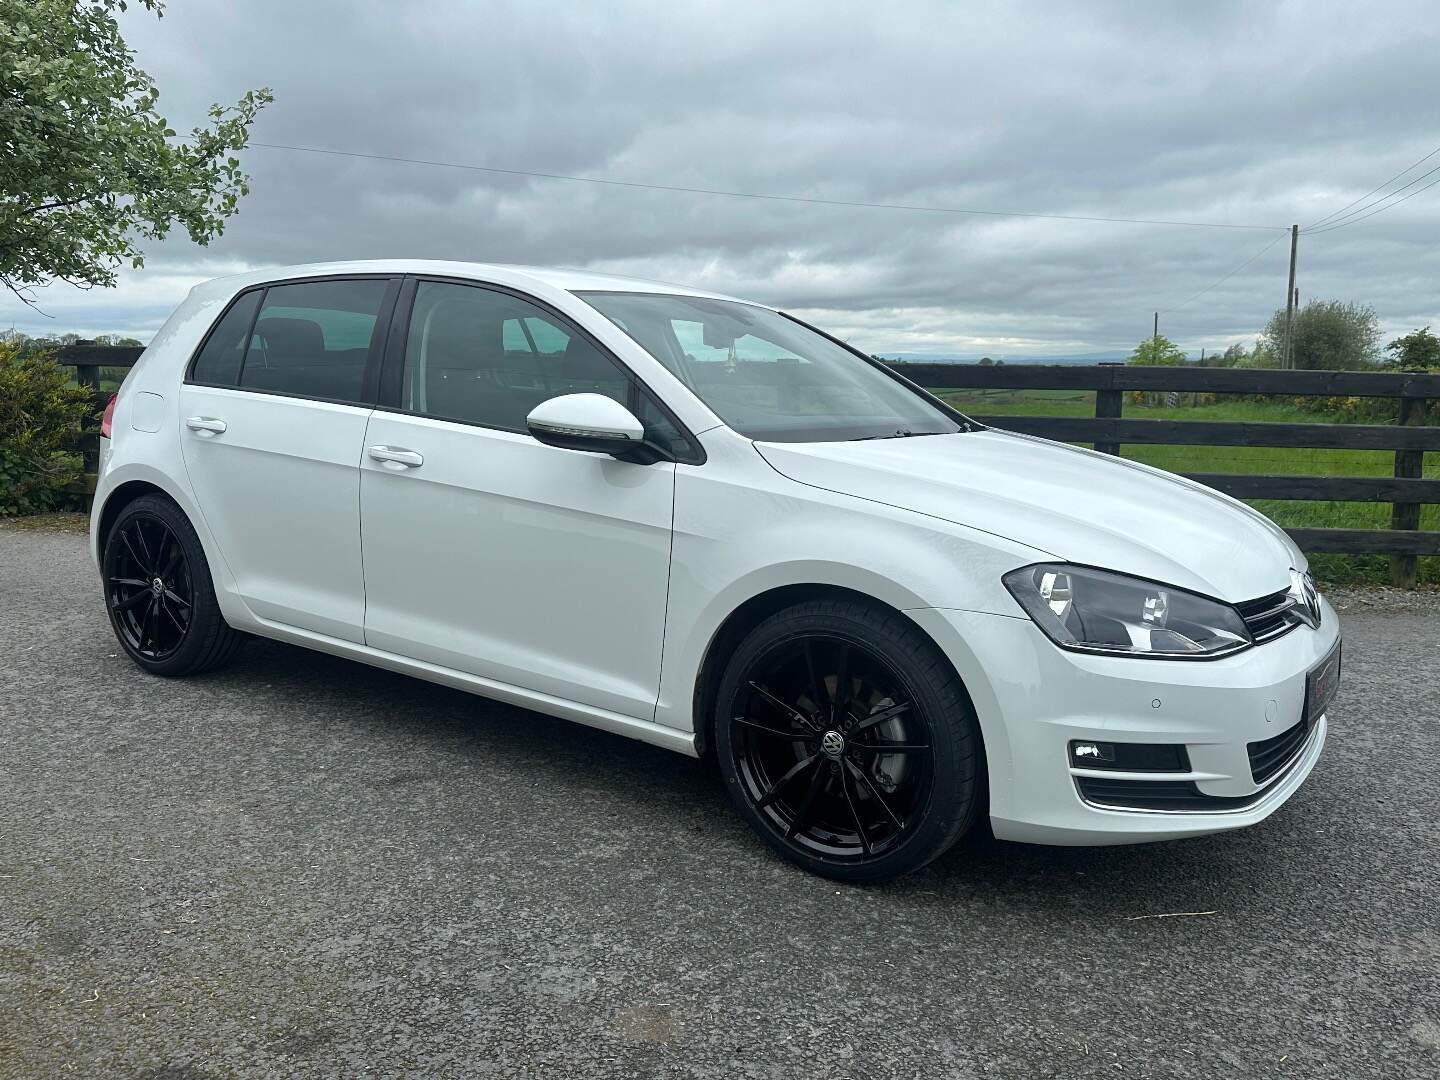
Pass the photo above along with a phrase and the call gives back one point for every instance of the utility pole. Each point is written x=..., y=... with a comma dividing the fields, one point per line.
x=1155, y=334
x=1290, y=295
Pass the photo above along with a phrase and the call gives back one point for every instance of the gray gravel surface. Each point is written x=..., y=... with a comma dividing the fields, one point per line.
x=304, y=867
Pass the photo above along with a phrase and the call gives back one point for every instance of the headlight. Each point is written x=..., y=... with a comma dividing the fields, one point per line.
x=1090, y=610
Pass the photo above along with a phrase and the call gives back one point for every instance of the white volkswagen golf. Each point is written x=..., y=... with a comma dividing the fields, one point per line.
x=702, y=523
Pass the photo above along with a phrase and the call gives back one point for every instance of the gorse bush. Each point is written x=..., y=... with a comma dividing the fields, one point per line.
x=41, y=414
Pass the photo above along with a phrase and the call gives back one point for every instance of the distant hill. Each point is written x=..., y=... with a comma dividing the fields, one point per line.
x=1079, y=358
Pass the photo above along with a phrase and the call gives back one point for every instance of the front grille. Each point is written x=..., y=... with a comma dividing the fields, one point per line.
x=1270, y=756
x=1268, y=617
x=1157, y=795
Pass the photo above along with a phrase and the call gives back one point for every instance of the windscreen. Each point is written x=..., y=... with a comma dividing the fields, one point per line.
x=768, y=377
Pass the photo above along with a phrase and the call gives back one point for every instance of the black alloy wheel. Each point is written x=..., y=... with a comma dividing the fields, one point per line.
x=844, y=742
x=159, y=594
x=149, y=588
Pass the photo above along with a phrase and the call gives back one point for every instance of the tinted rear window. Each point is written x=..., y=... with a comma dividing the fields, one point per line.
x=313, y=339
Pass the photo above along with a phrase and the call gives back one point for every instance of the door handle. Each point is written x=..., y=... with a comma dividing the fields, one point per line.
x=396, y=457
x=206, y=425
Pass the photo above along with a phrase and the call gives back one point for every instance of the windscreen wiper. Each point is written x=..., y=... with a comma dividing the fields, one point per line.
x=903, y=433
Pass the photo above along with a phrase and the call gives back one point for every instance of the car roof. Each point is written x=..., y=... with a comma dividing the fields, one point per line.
x=555, y=277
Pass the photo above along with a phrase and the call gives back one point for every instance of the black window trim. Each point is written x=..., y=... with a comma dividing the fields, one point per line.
x=392, y=368
x=374, y=357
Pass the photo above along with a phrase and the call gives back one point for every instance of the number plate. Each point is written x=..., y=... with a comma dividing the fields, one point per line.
x=1321, y=686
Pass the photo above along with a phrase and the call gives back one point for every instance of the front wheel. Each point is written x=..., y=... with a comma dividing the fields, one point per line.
x=159, y=594
x=847, y=741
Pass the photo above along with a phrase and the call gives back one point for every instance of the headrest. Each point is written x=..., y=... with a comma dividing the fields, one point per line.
x=292, y=337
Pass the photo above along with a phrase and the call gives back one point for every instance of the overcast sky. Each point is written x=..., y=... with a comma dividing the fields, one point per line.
x=1242, y=113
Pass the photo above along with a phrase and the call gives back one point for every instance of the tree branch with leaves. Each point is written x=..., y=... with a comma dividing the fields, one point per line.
x=89, y=169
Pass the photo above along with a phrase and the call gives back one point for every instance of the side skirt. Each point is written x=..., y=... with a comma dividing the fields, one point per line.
x=682, y=742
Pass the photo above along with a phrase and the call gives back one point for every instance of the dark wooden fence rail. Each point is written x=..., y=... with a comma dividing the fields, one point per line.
x=87, y=360
x=1108, y=430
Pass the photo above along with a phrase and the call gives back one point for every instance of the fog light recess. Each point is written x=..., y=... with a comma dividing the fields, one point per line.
x=1128, y=757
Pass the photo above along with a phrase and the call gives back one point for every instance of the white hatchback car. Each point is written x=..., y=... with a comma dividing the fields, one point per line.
x=702, y=523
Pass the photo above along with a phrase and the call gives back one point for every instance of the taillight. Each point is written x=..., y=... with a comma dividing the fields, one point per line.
x=108, y=416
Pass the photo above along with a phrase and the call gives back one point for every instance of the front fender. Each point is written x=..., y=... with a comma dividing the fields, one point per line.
x=741, y=532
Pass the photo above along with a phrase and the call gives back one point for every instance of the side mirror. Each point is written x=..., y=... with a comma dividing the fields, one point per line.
x=590, y=422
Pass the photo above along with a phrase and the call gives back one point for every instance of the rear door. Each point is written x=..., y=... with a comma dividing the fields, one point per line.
x=489, y=552
x=273, y=416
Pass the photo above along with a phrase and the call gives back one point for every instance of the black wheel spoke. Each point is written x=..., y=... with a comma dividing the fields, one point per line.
x=175, y=598
x=143, y=564
x=792, y=736
x=175, y=556
x=146, y=624
x=171, y=615
x=799, y=717
x=802, y=814
x=133, y=600
x=132, y=582
x=875, y=794
x=150, y=563
x=855, y=813
x=774, y=792
x=880, y=717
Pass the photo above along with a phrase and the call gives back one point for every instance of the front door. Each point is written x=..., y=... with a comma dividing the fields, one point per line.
x=491, y=553
x=272, y=425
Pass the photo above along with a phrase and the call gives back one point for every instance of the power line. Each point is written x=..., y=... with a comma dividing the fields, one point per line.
x=1226, y=277
x=1381, y=210
x=1356, y=214
x=752, y=194
x=1387, y=183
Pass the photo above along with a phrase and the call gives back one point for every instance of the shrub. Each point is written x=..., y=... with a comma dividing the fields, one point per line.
x=41, y=414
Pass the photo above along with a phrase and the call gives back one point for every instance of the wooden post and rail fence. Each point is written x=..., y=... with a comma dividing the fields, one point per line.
x=1406, y=490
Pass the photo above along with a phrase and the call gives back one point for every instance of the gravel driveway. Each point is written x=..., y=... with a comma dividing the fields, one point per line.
x=305, y=867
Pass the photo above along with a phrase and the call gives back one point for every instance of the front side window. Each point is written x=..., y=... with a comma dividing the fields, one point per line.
x=486, y=357
x=767, y=376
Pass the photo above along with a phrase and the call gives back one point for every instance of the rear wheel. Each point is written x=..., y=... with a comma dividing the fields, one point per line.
x=159, y=594
x=847, y=741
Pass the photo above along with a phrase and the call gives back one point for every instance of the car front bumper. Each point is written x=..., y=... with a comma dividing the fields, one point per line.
x=1033, y=699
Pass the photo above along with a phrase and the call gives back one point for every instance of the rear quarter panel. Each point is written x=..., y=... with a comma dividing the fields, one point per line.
x=154, y=457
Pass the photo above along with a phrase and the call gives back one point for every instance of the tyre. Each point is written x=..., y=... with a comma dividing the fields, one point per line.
x=159, y=594
x=847, y=741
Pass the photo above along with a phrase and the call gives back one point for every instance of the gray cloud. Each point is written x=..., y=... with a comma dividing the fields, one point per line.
x=1238, y=112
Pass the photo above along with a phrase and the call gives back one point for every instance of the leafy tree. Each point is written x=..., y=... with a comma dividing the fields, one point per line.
x=1329, y=335
x=986, y=361
x=1158, y=351
x=1235, y=356
x=88, y=168
x=1262, y=356
x=1418, y=350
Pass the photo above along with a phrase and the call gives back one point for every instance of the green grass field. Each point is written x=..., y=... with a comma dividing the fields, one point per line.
x=1339, y=569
